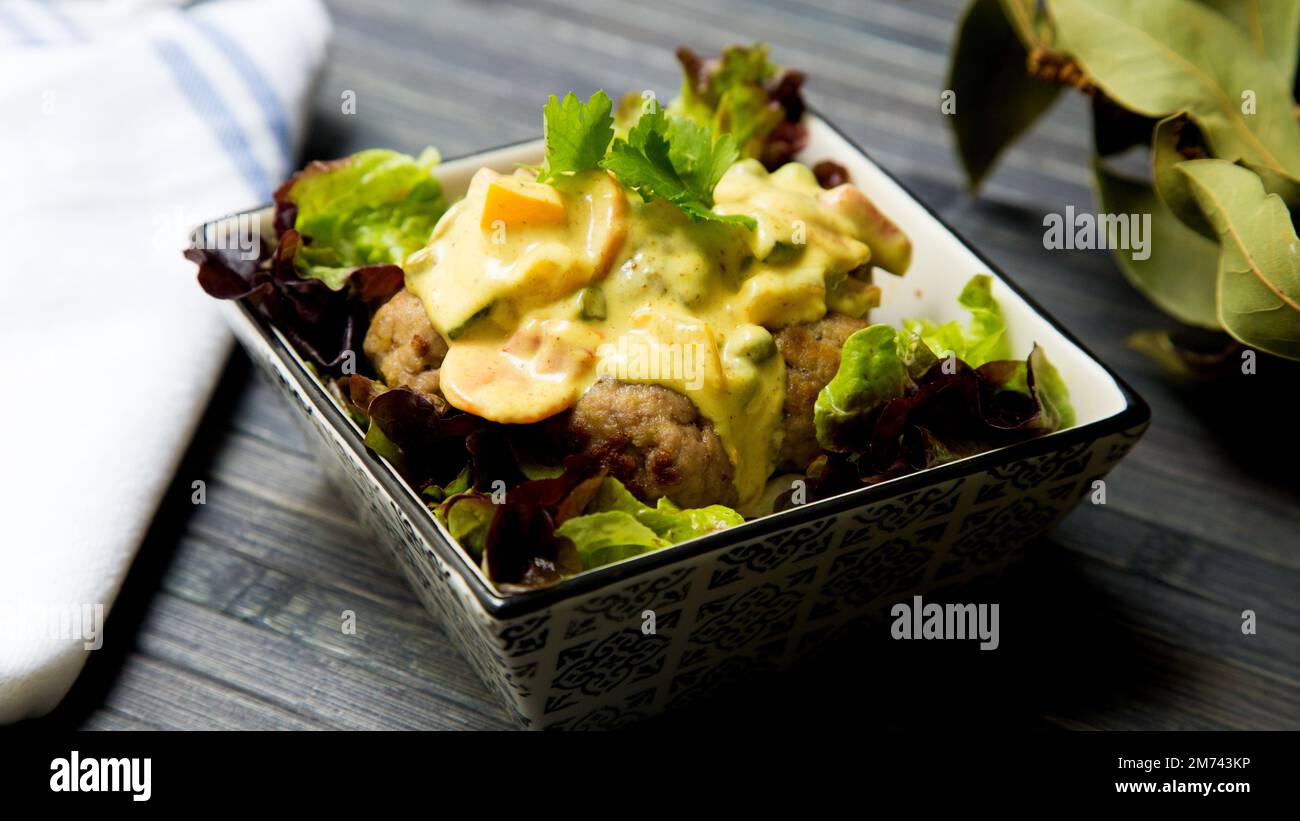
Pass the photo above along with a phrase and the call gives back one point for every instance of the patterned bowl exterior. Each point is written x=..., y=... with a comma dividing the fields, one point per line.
x=581, y=659
x=741, y=601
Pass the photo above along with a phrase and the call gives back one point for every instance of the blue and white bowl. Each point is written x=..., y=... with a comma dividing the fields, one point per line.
x=631, y=639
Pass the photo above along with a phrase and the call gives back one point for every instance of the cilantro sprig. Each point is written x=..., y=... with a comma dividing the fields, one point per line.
x=674, y=159
x=662, y=157
x=577, y=133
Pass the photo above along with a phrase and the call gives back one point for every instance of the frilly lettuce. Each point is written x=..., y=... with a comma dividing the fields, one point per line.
x=372, y=208
x=898, y=403
x=742, y=94
x=469, y=520
x=609, y=536
x=872, y=372
x=1051, y=390
x=730, y=95
x=983, y=340
x=615, y=525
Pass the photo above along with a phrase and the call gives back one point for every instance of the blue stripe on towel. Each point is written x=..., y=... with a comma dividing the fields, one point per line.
x=205, y=102
x=272, y=109
x=69, y=25
x=10, y=19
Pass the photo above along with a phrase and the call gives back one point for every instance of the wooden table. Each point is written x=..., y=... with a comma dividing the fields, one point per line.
x=1128, y=616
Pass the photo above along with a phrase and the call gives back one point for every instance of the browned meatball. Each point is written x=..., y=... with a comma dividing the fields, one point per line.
x=812, y=356
x=403, y=346
x=654, y=441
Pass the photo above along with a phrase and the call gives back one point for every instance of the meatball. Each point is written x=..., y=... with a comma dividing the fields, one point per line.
x=812, y=356
x=654, y=441
x=403, y=346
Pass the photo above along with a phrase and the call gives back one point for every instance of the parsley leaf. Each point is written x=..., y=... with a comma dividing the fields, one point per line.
x=577, y=134
x=674, y=159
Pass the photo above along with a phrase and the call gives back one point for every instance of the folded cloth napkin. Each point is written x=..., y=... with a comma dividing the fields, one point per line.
x=124, y=125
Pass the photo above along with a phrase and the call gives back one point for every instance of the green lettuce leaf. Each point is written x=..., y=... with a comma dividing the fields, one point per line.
x=888, y=380
x=433, y=494
x=468, y=519
x=372, y=208
x=1051, y=392
x=665, y=518
x=377, y=441
x=609, y=536
x=872, y=372
x=616, y=525
x=982, y=340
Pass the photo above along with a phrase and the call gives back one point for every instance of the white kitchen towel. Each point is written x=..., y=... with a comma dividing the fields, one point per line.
x=122, y=125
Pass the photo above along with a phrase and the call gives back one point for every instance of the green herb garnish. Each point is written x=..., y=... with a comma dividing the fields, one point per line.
x=674, y=159
x=663, y=157
x=577, y=134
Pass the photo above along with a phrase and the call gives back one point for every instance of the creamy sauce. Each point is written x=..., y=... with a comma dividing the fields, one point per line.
x=542, y=289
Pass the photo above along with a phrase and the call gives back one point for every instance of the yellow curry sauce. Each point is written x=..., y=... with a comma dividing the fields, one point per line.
x=542, y=289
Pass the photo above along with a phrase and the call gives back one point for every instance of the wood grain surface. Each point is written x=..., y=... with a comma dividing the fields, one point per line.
x=1126, y=616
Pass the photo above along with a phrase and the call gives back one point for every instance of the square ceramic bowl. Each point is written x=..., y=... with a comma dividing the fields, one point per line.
x=624, y=641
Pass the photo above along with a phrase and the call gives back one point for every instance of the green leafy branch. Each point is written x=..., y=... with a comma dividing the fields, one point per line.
x=1209, y=88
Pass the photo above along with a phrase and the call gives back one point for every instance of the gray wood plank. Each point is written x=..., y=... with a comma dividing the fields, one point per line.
x=151, y=691
x=1129, y=613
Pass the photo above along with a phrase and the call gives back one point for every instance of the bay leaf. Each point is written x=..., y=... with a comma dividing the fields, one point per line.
x=1115, y=129
x=1172, y=186
x=1159, y=57
x=1271, y=26
x=1179, y=275
x=997, y=99
x=1284, y=185
x=1189, y=353
x=1030, y=24
x=1259, y=262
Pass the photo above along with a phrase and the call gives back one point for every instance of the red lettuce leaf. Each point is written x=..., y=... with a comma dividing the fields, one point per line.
x=521, y=551
x=325, y=327
x=431, y=435
x=493, y=458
